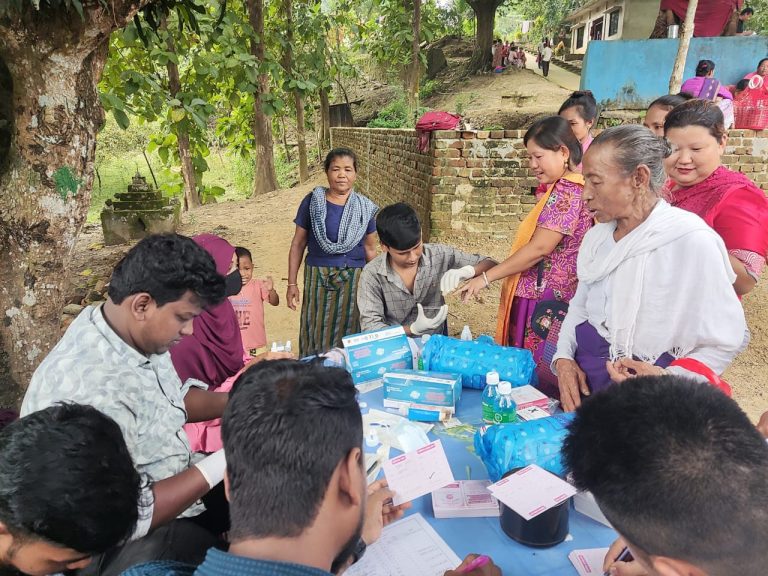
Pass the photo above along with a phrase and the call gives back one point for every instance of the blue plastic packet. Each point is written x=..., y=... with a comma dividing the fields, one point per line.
x=473, y=359
x=503, y=447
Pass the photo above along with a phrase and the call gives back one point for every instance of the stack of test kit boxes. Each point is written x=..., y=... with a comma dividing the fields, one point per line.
x=372, y=354
x=423, y=391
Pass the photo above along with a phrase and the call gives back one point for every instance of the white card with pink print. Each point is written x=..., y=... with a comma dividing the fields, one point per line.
x=531, y=491
x=417, y=473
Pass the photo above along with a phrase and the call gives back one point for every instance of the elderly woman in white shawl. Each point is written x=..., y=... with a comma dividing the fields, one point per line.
x=655, y=282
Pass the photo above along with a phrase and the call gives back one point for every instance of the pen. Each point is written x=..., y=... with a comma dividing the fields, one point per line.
x=478, y=562
x=625, y=556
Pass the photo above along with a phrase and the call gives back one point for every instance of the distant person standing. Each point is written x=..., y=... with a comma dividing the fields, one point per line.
x=546, y=57
x=337, y=229
x=539, y=51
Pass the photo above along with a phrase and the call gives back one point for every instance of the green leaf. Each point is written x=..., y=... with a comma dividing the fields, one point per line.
x=198, y=102
x=121, y=118
x=163, y=153
x=178, y=114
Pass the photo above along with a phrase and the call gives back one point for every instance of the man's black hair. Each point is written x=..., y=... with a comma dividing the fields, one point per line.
x=398, y=226
x=166, y=266
x=66, y=477
x=287, y=426
x=747, y=10
x=553, y=132
x=678, y=469
x=243, y=253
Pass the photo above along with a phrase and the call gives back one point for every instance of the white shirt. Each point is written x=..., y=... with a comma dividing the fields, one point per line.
x=546, y=54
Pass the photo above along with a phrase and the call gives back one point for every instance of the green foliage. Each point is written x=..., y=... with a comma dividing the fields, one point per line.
x=462, y=101
x=429, y=88
x=395, y=115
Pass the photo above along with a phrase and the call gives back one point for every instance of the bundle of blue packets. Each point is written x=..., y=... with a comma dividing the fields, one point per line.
x=504, y=447
x=473, y=359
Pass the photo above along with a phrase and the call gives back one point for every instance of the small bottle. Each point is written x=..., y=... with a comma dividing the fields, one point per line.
x=420, y=362
x=466, y=333
x=274, y=347
x=489, y=396
x=504, y=407
x=288, y=346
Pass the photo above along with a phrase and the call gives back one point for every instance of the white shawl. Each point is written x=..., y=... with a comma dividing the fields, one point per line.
x=702, y=309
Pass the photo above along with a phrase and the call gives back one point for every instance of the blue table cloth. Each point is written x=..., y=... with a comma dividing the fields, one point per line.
x=484, y=535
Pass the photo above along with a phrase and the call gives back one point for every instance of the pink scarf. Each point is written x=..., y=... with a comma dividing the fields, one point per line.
x=703, y=199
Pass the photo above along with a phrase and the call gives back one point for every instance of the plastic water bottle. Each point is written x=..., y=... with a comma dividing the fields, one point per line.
x=288, y=346
x=424, y=339
x=466, y=333
x=504, y=408
x=489, y=396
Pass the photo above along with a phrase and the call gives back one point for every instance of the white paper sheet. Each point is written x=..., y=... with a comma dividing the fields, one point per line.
x=417, y=473
x=531, y=491
x=409, y=547
x=588, y=562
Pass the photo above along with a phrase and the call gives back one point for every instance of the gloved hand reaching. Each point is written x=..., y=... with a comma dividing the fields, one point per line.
x=422, y=324
x=451, y=279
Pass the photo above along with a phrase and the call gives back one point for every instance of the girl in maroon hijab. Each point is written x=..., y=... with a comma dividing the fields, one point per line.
x=214, y=351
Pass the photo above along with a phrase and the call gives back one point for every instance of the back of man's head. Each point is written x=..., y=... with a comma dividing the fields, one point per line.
x=286, y=428
x=398, y=226
x=67, y=478
x=678, y=469
x=166, y=266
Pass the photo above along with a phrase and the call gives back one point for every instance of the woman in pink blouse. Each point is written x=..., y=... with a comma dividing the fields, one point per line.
x=540, y=273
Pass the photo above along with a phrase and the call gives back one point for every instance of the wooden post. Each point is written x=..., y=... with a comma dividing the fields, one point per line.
x=676, y=80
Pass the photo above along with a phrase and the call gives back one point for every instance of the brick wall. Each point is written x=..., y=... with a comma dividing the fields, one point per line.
x=390, y=167
x=478, y=182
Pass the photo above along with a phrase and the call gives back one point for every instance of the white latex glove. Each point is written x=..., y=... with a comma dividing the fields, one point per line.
x=451, y=279
x=212, y=467
x=422, y=324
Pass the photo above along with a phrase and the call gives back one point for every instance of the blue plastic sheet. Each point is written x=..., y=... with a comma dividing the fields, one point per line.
x=473, y=359
x=506, y=446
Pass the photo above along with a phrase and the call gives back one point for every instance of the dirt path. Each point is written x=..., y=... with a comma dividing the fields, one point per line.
x=512, y=99
x=265, y=226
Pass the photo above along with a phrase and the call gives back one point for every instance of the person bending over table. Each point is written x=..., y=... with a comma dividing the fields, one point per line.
x=298, y=507
x=68, y=489
x=406, y=284
x=115, y=358
x=680, y=472
x=655, y=282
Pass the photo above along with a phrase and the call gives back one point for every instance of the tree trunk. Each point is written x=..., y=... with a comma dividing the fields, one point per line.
x=298, y=101
x=301, y=136
x=415, y=68
x=51, y=61
x=676, y=80
x=266, y=178
x=191, y=195
x=485, y=17
x=325, y=120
